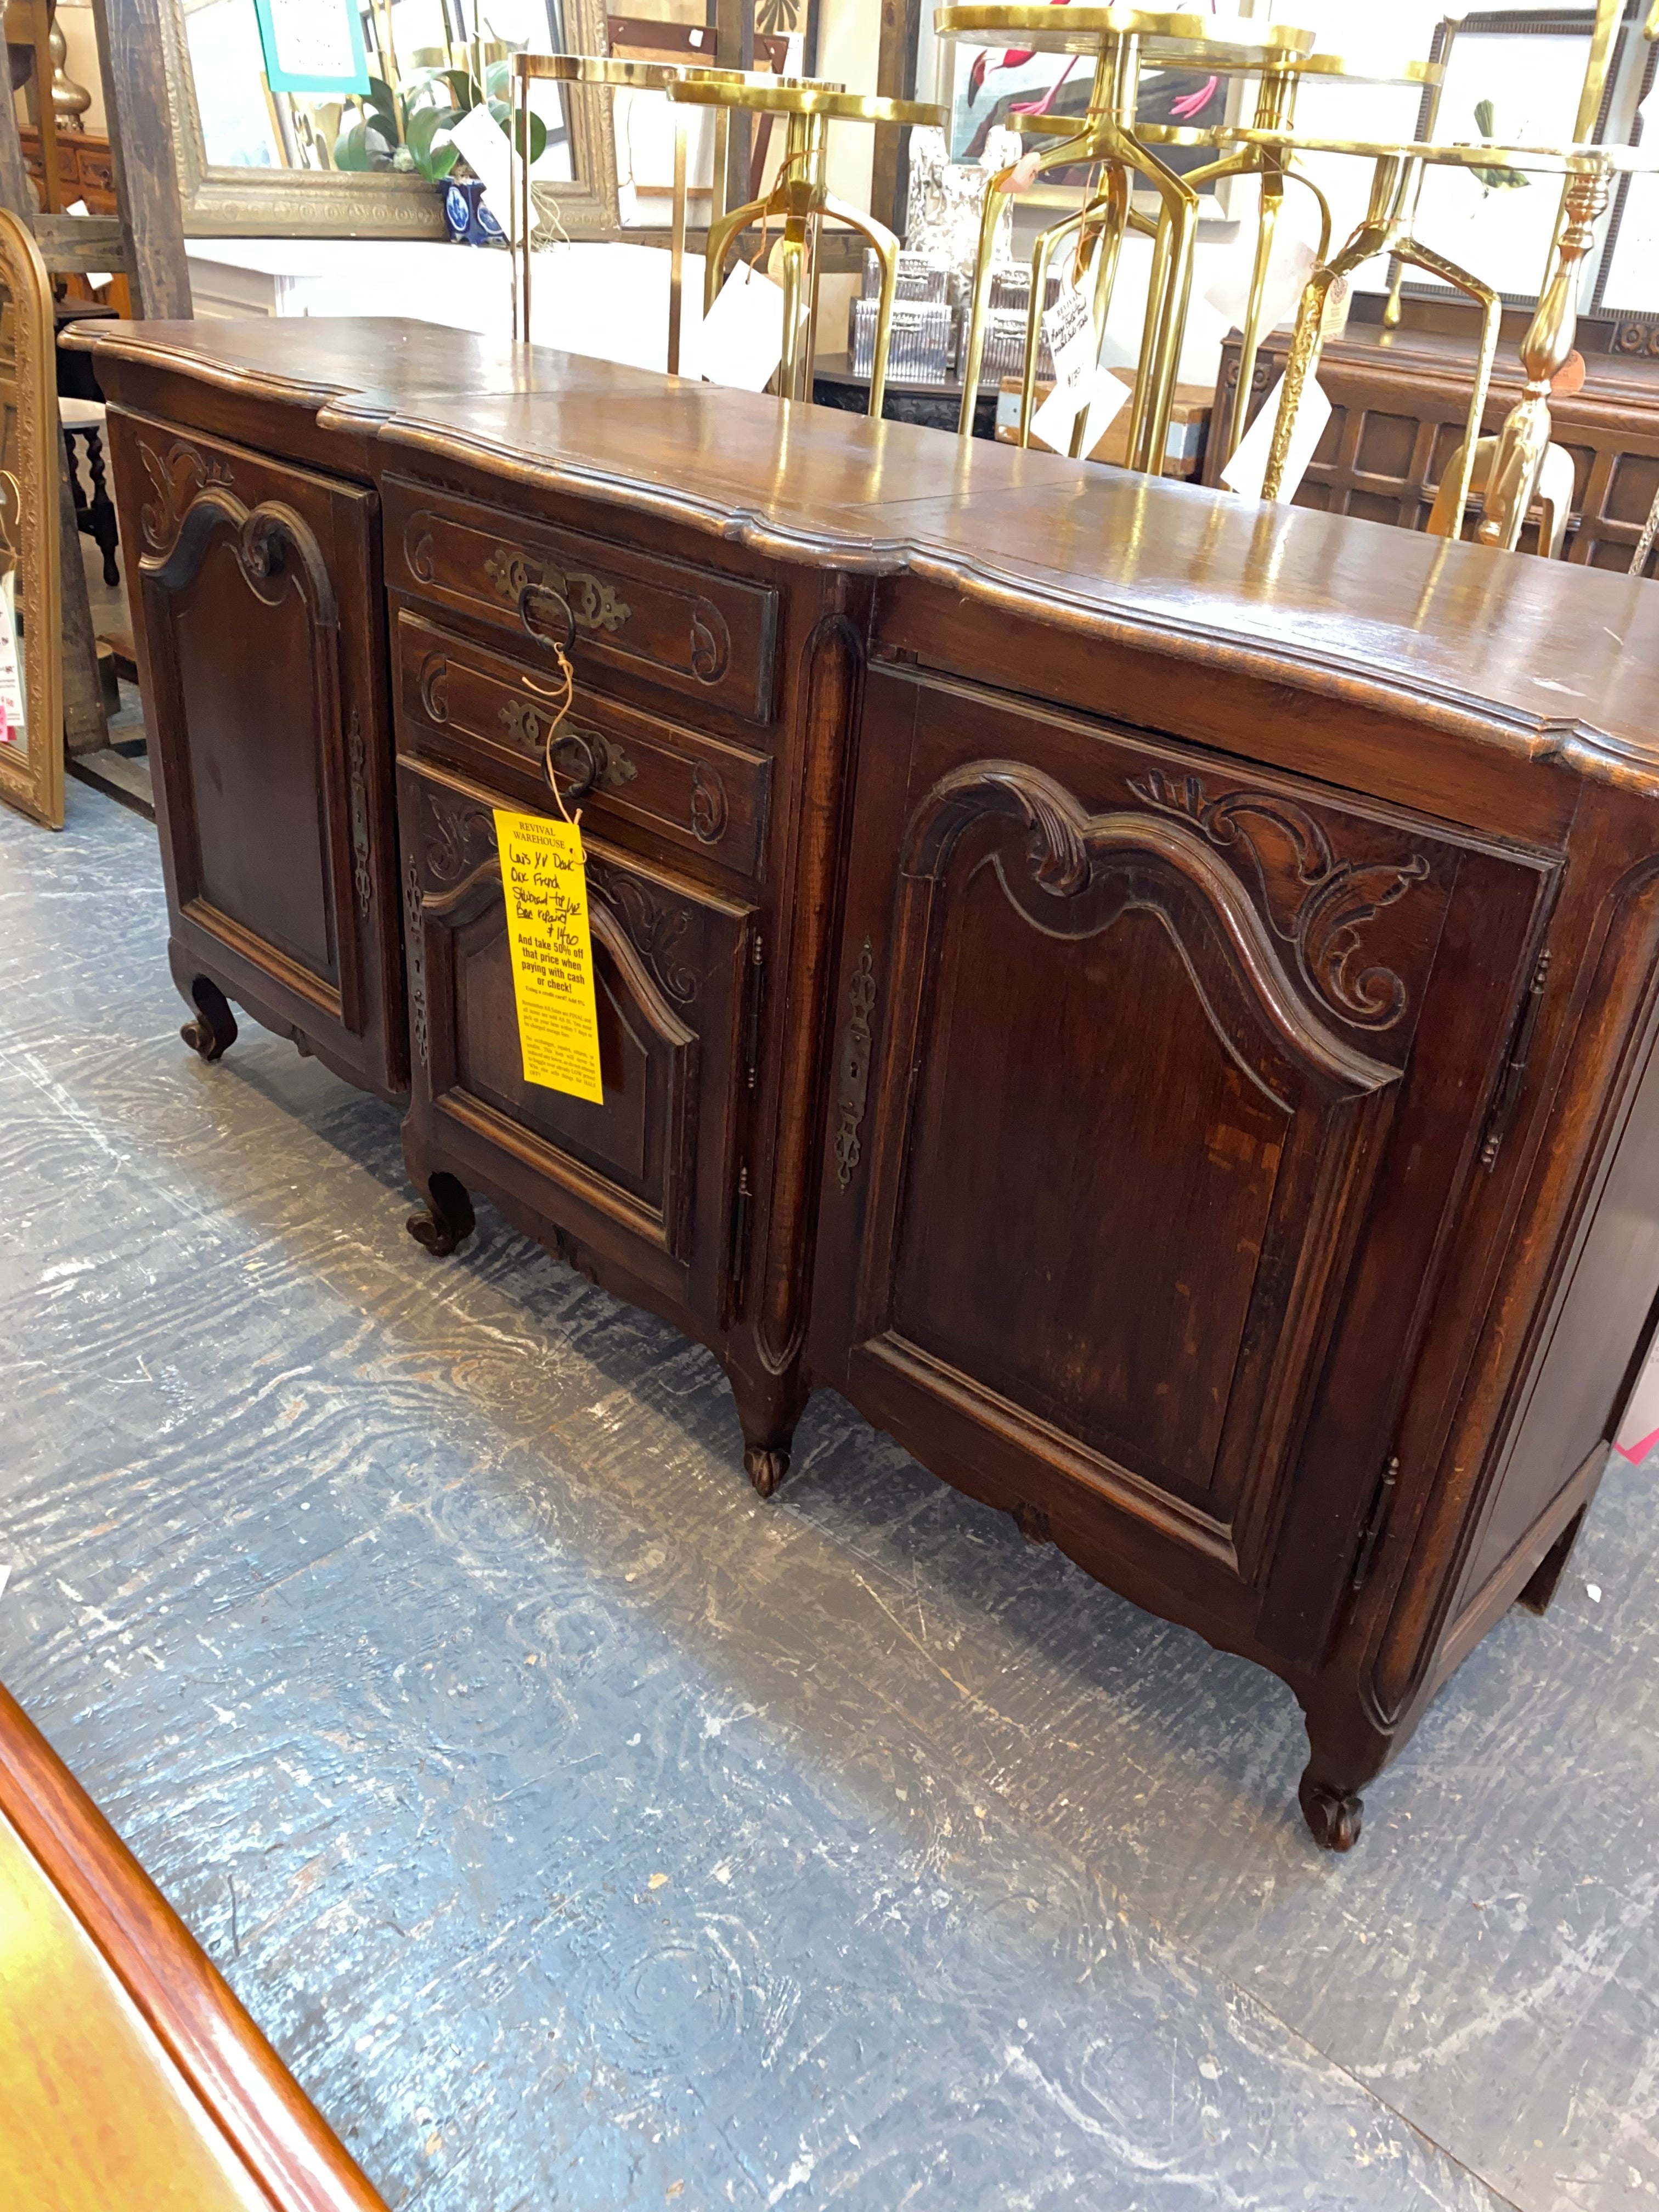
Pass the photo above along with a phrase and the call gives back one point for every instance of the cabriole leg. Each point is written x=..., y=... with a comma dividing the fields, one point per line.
x=768, y=1410
x=213, y=1030
x=447, y=1217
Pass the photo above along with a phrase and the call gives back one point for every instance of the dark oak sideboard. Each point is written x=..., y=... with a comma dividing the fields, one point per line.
x=1154, y=997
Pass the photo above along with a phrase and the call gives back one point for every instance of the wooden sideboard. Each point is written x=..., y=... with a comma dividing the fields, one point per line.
x=86, y=168
x=1399, y=403
x=1152, y=997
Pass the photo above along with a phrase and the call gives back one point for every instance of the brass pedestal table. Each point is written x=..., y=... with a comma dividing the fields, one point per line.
x=633, y=76
x=1119, y=40
x=1396, y=183
x=1275, y=110
x=801, y=199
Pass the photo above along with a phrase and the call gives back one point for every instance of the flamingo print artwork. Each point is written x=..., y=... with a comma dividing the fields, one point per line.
x=1166, y=95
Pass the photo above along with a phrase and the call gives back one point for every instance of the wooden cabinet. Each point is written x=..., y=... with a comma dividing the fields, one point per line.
x=1154, y=998
x=706, y=742
x=262, y=627
x=647, y=1183
x=1400, y=401
x=86, y=168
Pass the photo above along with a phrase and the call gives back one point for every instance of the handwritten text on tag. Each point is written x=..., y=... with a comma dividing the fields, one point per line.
x=545, y=883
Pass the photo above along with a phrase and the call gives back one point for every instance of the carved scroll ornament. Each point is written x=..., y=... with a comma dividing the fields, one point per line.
x=178, y=475
x=459, y=846
x=1323, y=923
x=1084, y=870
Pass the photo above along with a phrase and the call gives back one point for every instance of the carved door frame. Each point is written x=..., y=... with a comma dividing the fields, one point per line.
x=276, y=552
x=1302, y=957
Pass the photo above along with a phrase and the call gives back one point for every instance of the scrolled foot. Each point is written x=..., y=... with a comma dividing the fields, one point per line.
x=765, y=1469
x=446, y=1218
x=213, y=1032
x=1334, y=1816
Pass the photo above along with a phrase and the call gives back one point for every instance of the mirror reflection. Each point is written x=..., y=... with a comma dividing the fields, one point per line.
x=426, y=65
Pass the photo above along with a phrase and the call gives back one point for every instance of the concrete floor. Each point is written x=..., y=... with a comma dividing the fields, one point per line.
x=585, y=1833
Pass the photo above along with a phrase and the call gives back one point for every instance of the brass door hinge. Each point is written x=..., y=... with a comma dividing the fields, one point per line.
x=1375, y=1522
x=1514, y=1076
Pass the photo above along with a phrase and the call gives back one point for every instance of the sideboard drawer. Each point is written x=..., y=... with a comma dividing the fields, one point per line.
x=489, y=712
x=710, y=635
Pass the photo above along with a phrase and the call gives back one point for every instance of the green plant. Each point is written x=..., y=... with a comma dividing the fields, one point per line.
x=407, y=130
x=1494, y=179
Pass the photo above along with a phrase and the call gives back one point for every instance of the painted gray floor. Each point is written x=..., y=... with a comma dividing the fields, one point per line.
x=585, y=1833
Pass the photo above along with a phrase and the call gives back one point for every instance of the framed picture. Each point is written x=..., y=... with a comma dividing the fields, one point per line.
x=1526, y=67
x=313, y=45
x=992, y=88
x=1627, y=282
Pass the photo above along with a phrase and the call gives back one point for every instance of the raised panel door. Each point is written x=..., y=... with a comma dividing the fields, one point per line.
x=645, y=1179
x=1128, y=1037
x=260, y=622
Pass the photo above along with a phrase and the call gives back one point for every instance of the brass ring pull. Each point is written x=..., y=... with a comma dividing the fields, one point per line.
x=574, y=793
x=533, y=593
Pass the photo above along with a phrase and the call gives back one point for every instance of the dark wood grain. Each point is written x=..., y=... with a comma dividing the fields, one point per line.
x=261, y=644
x=224, y=2063
x=1400, y=405
x=1164, y=1021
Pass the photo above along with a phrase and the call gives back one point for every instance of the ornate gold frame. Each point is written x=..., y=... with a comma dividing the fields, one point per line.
x=237, y=203
x=35, y=784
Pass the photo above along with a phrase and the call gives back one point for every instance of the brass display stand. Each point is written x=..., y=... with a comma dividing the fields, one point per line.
x=1396, y=184
x=801, y=199
x=1119, y=39
x=633, y=76
x=1275, y=110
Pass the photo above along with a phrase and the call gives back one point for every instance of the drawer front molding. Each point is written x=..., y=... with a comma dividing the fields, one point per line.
x=490, y=712
x=711, y=636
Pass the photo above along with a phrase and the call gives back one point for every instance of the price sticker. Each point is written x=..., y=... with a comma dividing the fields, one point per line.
x=545, y=883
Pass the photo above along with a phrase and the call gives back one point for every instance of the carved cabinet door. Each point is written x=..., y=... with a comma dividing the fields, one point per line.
x=645, y=1182
x=1156, y=1080
x=260, y=618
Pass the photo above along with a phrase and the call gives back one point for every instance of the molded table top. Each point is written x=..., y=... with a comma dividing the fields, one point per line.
x=1547, y=661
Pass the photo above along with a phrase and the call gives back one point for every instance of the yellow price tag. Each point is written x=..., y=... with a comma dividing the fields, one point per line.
x=545, y=883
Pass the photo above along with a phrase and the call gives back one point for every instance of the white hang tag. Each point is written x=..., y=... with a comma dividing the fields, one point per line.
x=1070, y=337
x=96, y=277
x=1288, y=272
x=1248, y=468
x=1102, y=396
x=741, y=340
x=489, y=154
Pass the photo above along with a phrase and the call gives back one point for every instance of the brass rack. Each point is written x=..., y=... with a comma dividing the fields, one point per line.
x=1120, y=39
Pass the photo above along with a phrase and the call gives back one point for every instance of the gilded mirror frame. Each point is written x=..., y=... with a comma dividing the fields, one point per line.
x=29, y=396
x=225, y=202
